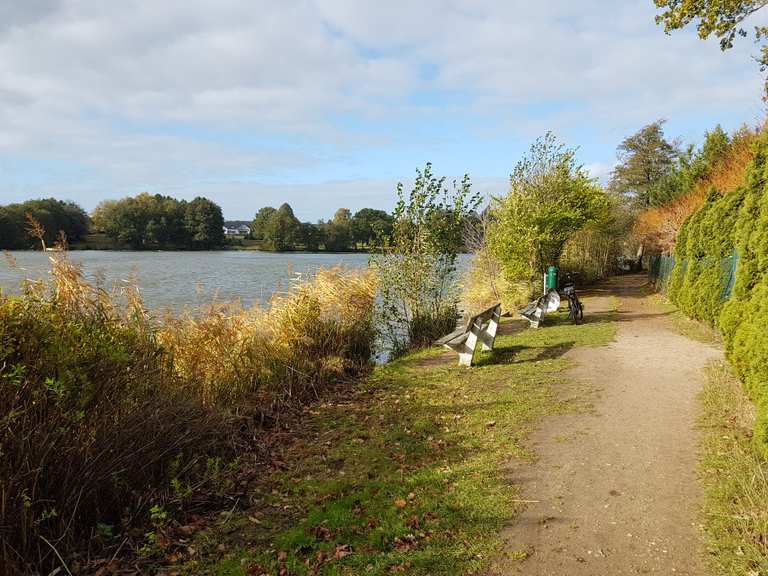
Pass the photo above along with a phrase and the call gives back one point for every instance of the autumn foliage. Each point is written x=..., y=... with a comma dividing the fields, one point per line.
x=658, y=227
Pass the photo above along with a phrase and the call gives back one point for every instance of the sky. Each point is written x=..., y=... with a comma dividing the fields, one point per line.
x=329, y=103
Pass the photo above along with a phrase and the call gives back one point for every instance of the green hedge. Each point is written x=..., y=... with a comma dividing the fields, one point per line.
x=699, y=280
x=736, y=220
x=744, y=319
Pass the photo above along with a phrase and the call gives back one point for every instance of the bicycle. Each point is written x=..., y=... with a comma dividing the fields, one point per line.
x=575, y=307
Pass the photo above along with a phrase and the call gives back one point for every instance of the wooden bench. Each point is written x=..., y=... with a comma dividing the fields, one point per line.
x=479, y=329
x=535, y=311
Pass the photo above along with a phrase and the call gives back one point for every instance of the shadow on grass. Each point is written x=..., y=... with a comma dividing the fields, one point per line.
x=620, y=316
x=516, y=354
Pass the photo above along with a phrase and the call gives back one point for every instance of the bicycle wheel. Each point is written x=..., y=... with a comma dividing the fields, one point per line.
x=573, y=313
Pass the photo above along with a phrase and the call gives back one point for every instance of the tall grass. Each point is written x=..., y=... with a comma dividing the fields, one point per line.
x=735, y=476
x=103, y=407
x=262, y=360
x=484, y=285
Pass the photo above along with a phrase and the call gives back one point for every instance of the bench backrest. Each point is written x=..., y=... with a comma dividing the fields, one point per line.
x=483, y=317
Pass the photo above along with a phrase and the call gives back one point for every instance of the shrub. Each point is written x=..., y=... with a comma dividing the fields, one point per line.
x=484, y=285
x=103, y=412
x=698, y=279
x=417, y=264
x=592, y=253
x=737, y=219
x=660, y=228
x=744, y=319
x=550, y=198
x=262, y=360
x=90, y=417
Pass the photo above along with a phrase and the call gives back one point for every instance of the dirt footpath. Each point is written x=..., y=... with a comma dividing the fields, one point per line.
x=615, y=489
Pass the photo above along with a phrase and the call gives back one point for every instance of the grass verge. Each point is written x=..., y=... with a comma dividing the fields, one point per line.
x=735, y=478
x=689, y=327
x=406, y=473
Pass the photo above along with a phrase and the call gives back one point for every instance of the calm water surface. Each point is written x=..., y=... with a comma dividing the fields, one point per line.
x=178, y=279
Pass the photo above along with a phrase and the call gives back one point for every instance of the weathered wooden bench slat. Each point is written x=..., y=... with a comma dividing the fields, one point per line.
x=459, y=333
x=479, y=329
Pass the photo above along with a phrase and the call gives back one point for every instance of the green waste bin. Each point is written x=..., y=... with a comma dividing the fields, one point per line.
x=551, y=281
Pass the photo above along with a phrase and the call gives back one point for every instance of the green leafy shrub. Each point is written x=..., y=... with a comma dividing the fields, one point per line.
x=417, y=265
x=550, y=198
x=738, y=220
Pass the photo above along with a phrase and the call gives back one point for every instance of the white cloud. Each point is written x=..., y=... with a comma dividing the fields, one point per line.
x=126, y=93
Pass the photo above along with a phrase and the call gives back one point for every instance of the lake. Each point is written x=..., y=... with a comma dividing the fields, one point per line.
x=178, y=279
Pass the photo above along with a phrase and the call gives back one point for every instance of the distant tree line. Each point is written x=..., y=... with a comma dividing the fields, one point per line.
x=154, y=221
x=55, y=216
x=279, y=229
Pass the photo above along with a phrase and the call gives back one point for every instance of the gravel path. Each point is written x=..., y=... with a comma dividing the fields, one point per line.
x=614, y=490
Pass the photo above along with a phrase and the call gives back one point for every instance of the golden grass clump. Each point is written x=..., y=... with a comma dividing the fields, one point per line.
x=485, y=284
x=265, y=358
x=103, y=409
x=90, y=417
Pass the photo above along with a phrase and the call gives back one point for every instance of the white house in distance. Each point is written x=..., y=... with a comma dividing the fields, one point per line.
x=241, y=230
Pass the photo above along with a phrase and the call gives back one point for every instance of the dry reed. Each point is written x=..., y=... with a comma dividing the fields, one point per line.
x=101, y=405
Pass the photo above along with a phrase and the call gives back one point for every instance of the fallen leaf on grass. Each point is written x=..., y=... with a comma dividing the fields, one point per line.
x=321, y=533
x=400, y=503
x=413, y=522
x=400, y=568
x=187, y=530
x=406, y=543
x=341, y=551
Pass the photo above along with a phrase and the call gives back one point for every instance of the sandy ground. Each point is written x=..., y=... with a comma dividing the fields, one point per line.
x=614, y=490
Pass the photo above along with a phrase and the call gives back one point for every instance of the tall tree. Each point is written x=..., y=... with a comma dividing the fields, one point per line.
x=204, y=223
x=311, y=236
x=550, y=198
x=723, y=18
x=338, y=232
x=369, y=224
x=261, y=222
x=646, y=159
x=283, y=231
x=53, y=215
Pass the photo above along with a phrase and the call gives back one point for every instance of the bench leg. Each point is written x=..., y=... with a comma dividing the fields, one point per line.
x=466, y=355
x=489, y=335
x=538, y=315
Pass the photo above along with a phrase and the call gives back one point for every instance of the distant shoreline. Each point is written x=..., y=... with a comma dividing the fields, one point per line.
x=77, y=248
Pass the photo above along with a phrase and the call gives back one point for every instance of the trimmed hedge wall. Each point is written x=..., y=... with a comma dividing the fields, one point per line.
x=735, y=220
x=699, y=280
x=744, y=319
